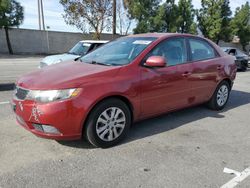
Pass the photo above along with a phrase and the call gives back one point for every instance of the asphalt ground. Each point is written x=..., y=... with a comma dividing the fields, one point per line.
x=12, y=67
x=189, y=148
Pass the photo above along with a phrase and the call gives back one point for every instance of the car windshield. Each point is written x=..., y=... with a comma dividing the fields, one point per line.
x=81, y=48
x=118, y=52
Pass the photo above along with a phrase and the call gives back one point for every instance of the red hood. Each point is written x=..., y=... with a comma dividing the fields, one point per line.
x=66, y=75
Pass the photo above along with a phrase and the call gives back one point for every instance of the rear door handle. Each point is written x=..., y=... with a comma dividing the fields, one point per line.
x=186, y=74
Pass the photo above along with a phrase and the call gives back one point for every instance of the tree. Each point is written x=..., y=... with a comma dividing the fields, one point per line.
x=123, y=20
x=93, y=13
x=170, y=13
x=158, y=16
x=114, y=17
x=143, y=11
x=185, y=19
x=214, y=19
x=226, y=30
x=11, y=14
x=241, y=24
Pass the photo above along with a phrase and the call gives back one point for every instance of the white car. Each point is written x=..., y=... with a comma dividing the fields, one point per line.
x=80, y=49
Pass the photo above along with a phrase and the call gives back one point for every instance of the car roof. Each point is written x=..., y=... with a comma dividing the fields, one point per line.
x=161, y=35
x=95, y=41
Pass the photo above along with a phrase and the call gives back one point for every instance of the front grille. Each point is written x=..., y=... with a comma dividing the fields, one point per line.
x=21, y=93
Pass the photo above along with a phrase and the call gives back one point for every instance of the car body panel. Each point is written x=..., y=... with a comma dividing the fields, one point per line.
x=75, y=74
x=147, y=91
x=54, y=59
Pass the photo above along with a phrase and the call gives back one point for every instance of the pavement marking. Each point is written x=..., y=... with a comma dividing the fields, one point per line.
x=7, y=102
x=240, y=176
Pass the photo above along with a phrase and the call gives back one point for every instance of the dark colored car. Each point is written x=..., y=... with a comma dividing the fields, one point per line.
x=127, y=80
x=241, y=58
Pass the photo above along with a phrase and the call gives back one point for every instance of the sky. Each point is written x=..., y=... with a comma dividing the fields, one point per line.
x=53, y=11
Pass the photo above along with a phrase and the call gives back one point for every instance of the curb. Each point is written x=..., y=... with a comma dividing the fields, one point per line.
x=7, y=86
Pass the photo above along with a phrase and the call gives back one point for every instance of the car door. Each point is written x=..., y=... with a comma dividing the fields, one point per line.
x=206, y=68
x=167, y=88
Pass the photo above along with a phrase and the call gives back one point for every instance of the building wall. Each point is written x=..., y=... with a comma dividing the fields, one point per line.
x=26, y=41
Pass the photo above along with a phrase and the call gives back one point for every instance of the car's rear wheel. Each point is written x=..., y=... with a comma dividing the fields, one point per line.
x=220, y=96
x=108, y=123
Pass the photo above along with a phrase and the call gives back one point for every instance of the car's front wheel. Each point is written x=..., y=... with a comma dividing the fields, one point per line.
x=220, y=97
x=108, y=123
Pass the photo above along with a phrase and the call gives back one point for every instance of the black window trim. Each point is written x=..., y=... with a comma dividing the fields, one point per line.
x=217, y=55
x=143, y=61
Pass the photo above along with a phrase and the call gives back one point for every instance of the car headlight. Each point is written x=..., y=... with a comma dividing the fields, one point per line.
x=52, y=95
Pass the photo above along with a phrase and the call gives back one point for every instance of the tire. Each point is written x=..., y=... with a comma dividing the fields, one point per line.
x=108, y=123
x=216, y=102
x=242, y=66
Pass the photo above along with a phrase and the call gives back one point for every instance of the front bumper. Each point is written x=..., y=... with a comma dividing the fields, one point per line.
x=241, y=63
x=64, y=116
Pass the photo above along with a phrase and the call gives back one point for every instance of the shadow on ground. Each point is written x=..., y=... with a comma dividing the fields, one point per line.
x=173, y=120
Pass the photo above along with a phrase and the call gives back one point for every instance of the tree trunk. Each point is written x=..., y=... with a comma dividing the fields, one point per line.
x=244, y=47
x=217, y=41
x=8, y=40
x=97, y=35
x=114, y=18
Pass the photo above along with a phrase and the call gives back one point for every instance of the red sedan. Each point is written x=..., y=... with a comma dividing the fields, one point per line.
x=129, y=79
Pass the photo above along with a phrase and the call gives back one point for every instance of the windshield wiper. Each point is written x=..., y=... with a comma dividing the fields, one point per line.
x=99, y=63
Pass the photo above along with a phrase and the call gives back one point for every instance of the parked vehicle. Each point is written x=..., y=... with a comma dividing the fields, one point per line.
x=127, y=80
x=80, y=49
x=241, y=58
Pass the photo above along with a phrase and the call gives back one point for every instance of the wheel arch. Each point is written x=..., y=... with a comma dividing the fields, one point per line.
x=120, y=97
x=228, y=81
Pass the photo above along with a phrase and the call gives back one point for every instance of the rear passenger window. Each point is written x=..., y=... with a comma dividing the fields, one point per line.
x=201, y=50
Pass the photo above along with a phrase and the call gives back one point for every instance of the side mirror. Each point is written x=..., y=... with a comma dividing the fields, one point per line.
x=156, y=61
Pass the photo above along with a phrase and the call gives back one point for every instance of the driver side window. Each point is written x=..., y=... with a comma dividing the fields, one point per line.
x=174, y=50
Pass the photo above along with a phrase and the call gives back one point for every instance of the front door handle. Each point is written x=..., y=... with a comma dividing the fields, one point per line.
x=219, y=67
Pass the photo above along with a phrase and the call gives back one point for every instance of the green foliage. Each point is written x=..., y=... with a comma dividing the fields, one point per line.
x=144, y=12
x=185, y=19
x=169, y=12
x=11, y=13
x=167, y=17
x=214, y=19
x=241, y=24
x=226, y=30
x=85, y=13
